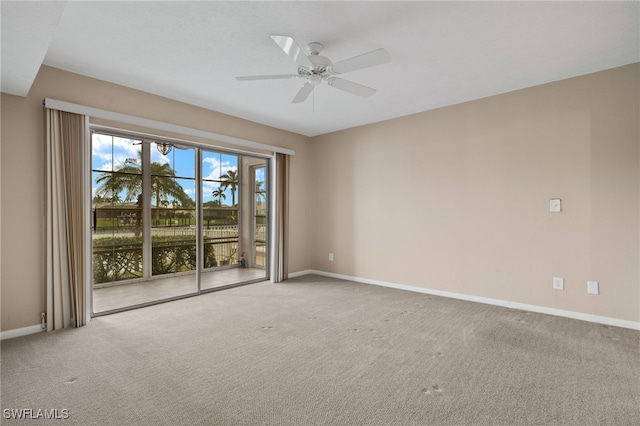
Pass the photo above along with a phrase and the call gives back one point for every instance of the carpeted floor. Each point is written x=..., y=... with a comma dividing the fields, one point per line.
x=316, y=350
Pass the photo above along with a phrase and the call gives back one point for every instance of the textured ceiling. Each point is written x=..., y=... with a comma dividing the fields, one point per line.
x=443, y=53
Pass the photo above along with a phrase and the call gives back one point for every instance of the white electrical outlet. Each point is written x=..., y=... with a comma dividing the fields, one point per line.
x=592, y=287
x=555, y=205
x=558, y=283
x=330, y=257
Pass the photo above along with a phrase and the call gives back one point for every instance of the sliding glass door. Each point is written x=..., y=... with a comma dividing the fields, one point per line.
x=228, y=189
x=143, y=221
x=172, y=220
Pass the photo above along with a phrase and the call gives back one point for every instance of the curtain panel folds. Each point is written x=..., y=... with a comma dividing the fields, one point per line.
x=65, y=225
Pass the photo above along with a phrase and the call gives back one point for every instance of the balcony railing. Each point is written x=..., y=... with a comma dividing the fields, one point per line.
x=119, y=257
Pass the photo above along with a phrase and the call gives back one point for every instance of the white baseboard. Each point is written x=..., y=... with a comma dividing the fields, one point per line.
x=9, y=334
x=24, y=331
x=301, y=273
x=497, y=302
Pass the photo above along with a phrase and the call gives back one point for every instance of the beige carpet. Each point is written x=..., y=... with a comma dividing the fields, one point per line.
x=316, y=350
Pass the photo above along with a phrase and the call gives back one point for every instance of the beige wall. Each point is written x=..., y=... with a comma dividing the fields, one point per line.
x=21, y=270
x=457, y=199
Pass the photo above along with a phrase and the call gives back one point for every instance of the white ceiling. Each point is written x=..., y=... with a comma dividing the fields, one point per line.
x=443, y=53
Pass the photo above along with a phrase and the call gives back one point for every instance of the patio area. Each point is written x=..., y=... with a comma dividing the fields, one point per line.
x=135, y=293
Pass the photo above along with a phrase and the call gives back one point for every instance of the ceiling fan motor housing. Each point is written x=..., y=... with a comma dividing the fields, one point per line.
x=314, y=48
x=320, y=64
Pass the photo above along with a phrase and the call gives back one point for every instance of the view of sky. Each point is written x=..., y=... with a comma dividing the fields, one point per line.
x=110, y=153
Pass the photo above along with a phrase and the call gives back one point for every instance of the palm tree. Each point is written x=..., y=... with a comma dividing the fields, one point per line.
x=260, y=192
x=164, y=185
x=230, y=180
x=219, y=193
x=127, y=177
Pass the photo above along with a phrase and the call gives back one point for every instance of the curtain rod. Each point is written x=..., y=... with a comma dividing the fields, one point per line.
x=159, y=125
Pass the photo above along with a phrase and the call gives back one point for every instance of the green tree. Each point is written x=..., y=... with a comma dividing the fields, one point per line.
x=127, y=177
x=230, y=180
x=219, y=193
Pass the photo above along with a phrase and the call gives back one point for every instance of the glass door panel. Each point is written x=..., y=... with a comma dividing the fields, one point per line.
x=260, y=217
x=219, y=210
x=228, y=189
x=116, y=210
x=143, y=222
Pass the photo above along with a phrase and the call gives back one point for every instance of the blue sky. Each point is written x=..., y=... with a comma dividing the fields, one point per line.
x=109, y=152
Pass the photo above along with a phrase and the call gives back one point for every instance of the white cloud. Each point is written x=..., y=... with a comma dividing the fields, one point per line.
x=108, y=166
x=112, y=151
x=100, y=143
x=216, y=168
x=157, y=157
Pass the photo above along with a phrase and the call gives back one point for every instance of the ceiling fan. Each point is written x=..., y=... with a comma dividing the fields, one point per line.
x=315, y=68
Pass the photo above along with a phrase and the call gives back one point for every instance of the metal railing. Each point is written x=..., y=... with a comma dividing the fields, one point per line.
x=119, y=256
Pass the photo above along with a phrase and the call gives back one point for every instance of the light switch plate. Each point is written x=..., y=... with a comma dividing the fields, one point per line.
x=592, y=287
x=555, y=205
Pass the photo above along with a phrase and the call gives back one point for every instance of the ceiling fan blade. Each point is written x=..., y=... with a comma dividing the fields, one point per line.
x=267, y=77
x=292, y=49
x=303, y=93
x=351, y=87
x=365, y=60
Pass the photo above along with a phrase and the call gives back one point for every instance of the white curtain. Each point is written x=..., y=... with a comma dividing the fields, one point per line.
x=65, y=225
x=281, y=231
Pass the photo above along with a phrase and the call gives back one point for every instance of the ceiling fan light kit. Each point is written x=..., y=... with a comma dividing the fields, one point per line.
x=163, y=148
x=315, y=68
